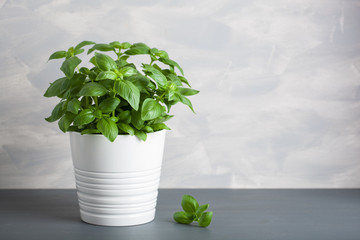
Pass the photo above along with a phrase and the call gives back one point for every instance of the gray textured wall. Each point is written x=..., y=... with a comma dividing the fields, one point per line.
x=279, y=104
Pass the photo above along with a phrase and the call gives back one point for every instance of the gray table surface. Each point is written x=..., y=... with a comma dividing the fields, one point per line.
x=238, y=214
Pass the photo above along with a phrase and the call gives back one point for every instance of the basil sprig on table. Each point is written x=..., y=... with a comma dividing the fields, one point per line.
x=115, y=96
x=193, y=212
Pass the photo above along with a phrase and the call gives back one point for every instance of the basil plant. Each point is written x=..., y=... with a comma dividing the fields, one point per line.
x=114, y=96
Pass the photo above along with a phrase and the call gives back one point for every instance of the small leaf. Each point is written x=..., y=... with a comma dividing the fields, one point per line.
x=78, y=51
x=56, y=113
x=83, y=44
x=183, y=217
x=205, y=219
x=115, y=44
x=174, y=79
x=202, y=209
x=57, y=55
x=151, y=109
x=85, y=70
x=159, y=126
x=73, y=106
x=138, y=48
x=185, y=101
x=171, y=63
x=189, y=204
x=98, y=113
x=89, y=131
x=184, y=80
x=129, y=92
x=125, y=45
x=139, y=80
x=104, y=62
x=86, y=116
x=128, y=71
x=101, y=47
x=148, y=129
x=55, y=88
x=140, y=134
x=164, y=118
x=136, y=119
x=93, y=89
x=109, y=104
x=108, y=128
x=125, y=117
x=155, y=74
x=69, y=65
x=188, y=91
x=65, y=121
x=126, y=128
x=106, y=75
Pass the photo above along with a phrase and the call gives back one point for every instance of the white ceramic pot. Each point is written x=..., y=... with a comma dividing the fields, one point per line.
x=117, y=182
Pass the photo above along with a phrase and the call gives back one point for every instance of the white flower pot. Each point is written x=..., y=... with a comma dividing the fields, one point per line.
x=117, y=183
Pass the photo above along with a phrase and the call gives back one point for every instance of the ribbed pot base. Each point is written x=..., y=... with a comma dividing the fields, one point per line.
x=117, y=199
x=118, y=220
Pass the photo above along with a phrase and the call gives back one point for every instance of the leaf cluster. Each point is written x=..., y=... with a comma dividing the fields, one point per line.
x=193, y=212
x=115, y=96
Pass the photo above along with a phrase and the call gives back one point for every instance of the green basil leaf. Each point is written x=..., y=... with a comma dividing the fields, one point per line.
x=188, y=91
x=183, y=217
x=109, y=104
x=101, y=47
x=65, y=121
x=114, y=119
x=106, y=75
x=140, y=134
x=139, y=80
x=57, y=55
x=98, y=113
x=125, y=45
x=171, y=63
x=115, y=44
x=159, y=126
x=86, y=116
x=93, y=89
x=126, y=128
x=56, y=113
x=185, y=101
x=125, y=117
x=83, y=44
x=78, y=51
x=162, y=54
x=65, y=86
x=84, y=70
x=136, y=120
x=189, y=204
x=205, y=219
x=155, y=74
x=129, y=92
x=128, y=71
x=73, y=105
x=151, y=109
x=174, y=79
x=55, y=88
x=77, y=80
x=69, y=65
x=89, y=131
x=108, y=128
x=184, y=80
x=148, y=129
x=162, y=119
x=202, y=209
x=138, y=48
x=104, y=62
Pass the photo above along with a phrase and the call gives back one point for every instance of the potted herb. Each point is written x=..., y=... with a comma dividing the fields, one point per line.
x=115, y=111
